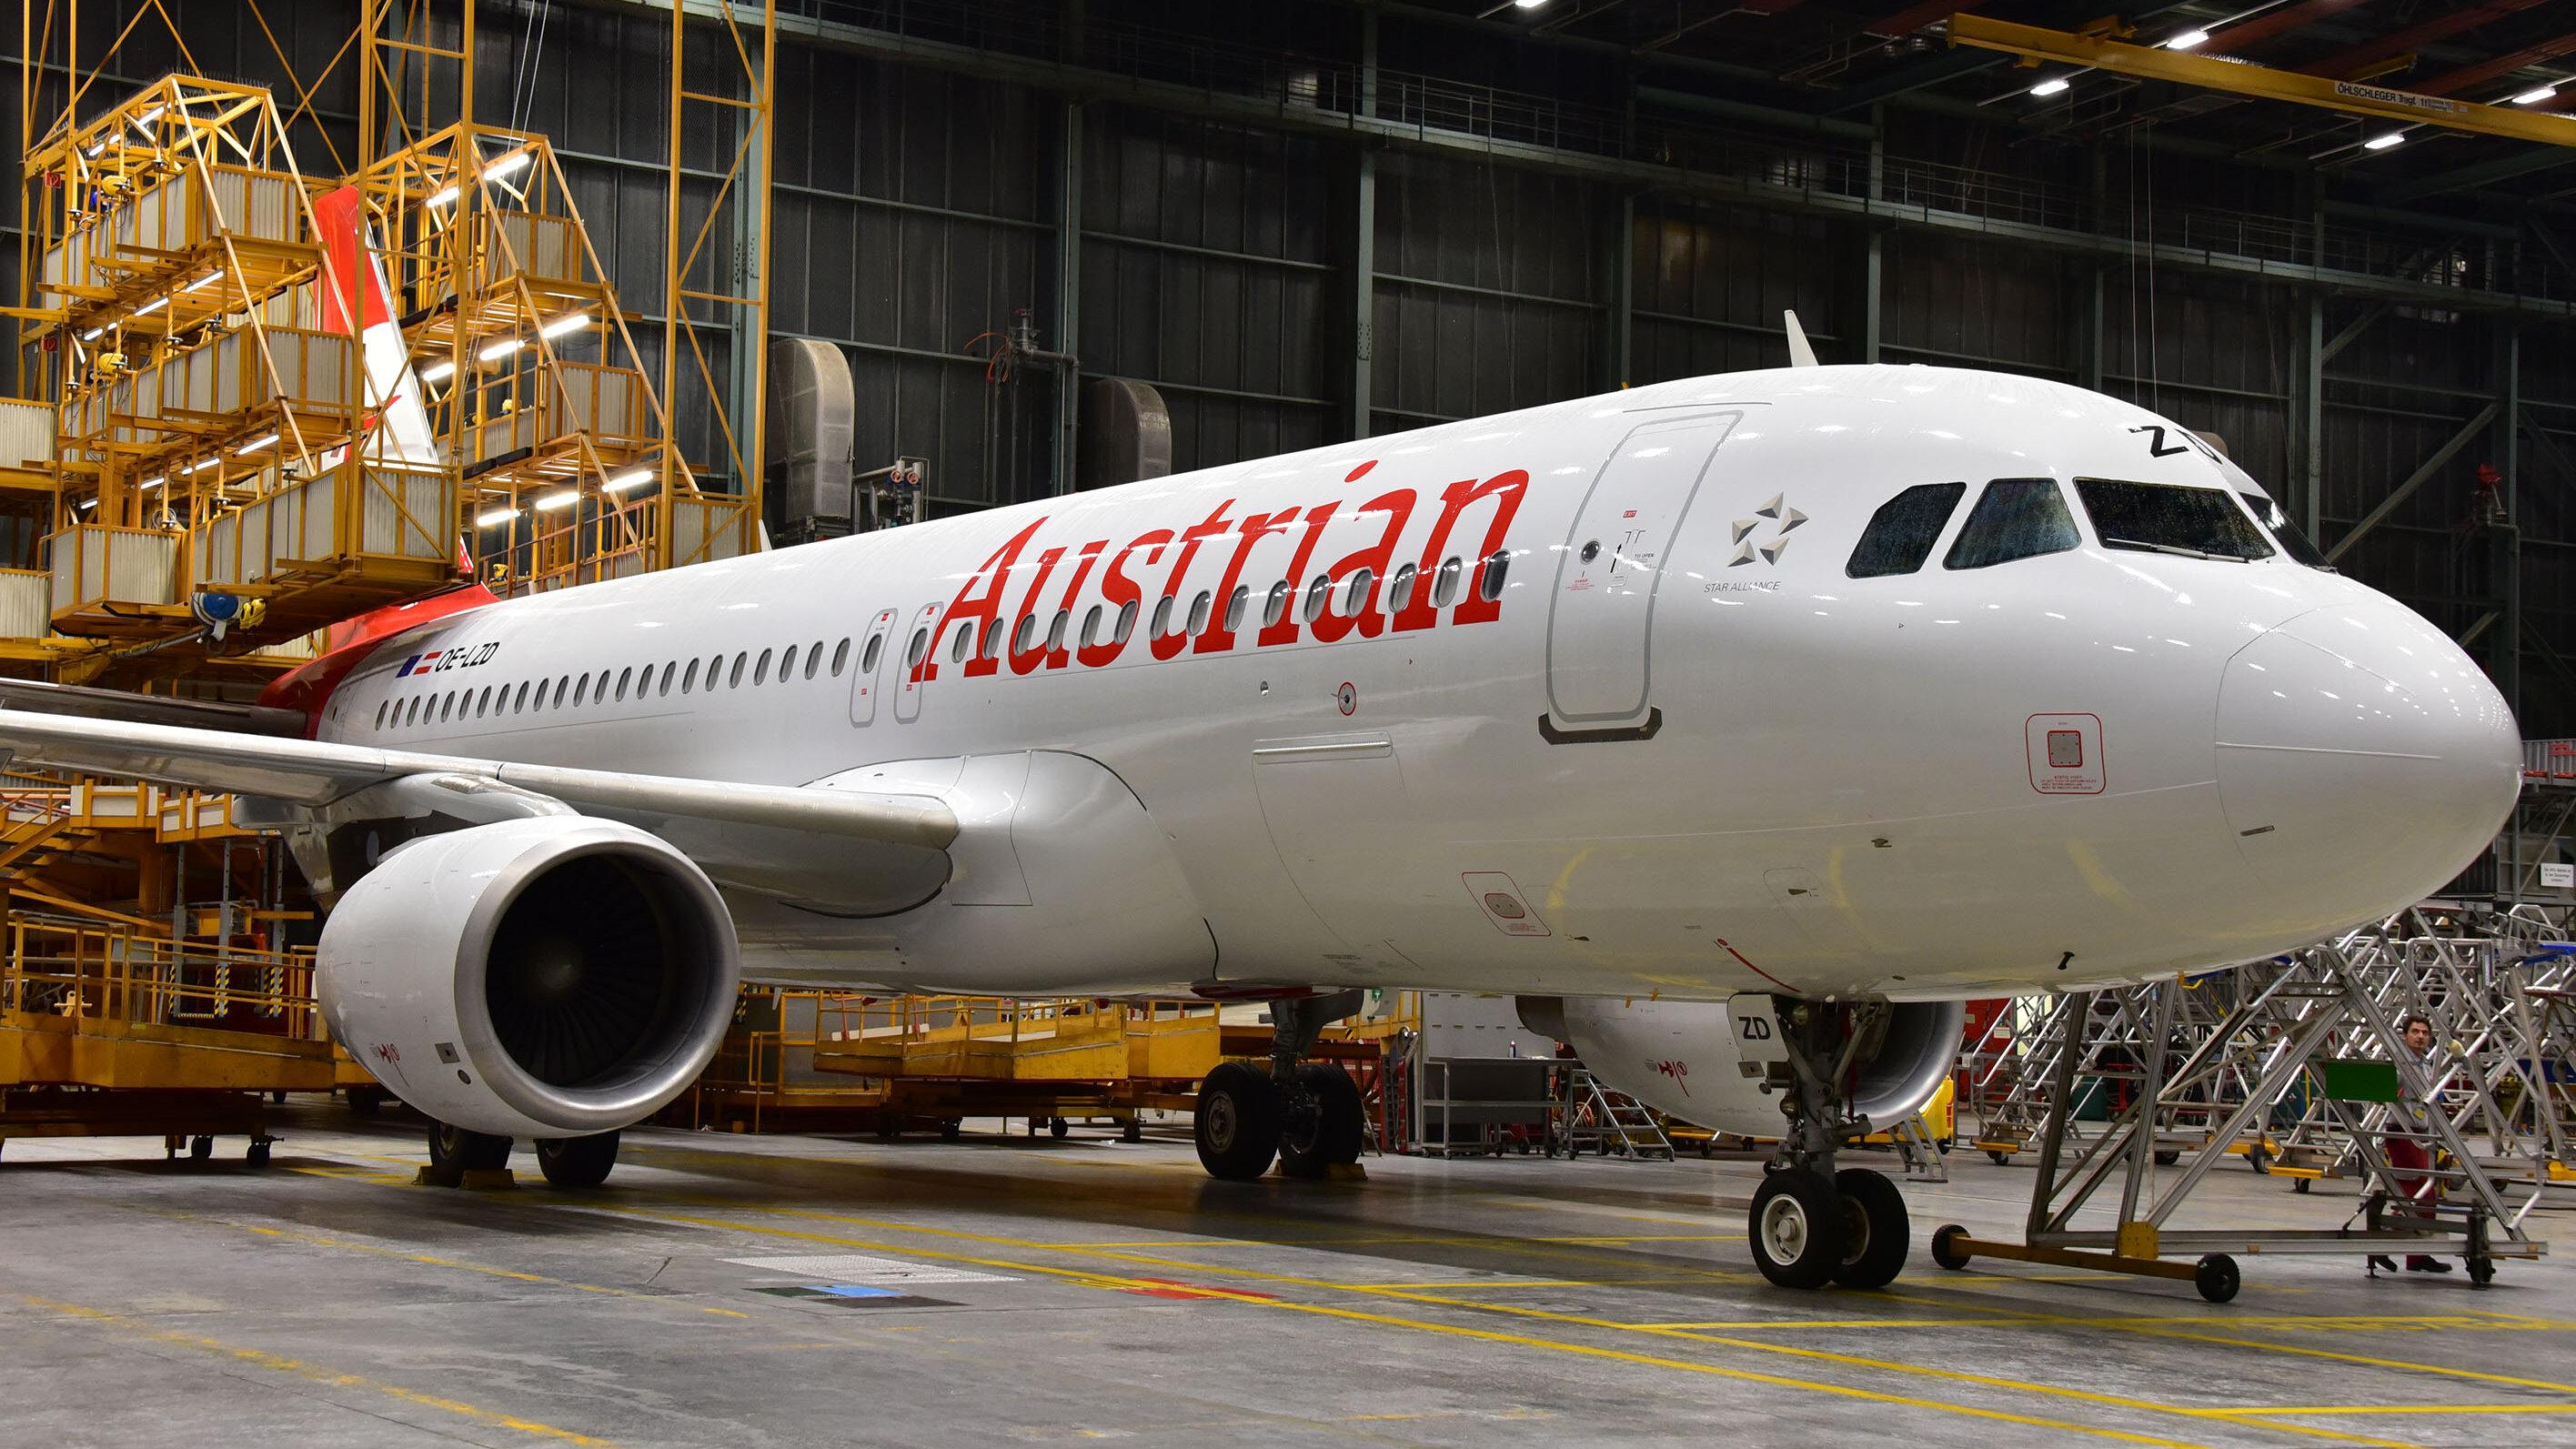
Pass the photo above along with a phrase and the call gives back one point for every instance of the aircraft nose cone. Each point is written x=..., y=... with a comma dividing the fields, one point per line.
x=2363, y=760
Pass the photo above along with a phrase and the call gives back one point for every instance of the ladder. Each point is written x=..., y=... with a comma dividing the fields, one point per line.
x=1919, y=1150
x=1591, y=1114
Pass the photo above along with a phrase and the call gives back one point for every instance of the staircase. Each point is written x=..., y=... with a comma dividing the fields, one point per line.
x=1612, y=1123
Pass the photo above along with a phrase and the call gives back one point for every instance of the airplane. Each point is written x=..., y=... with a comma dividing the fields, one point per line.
x=1740, y=727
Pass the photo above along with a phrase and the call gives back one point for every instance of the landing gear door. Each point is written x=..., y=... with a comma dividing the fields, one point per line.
x=1761, y=1045
x=870, y=675
x=1600, y=617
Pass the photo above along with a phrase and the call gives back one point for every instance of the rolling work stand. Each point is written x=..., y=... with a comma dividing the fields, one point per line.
x=2304, y=1022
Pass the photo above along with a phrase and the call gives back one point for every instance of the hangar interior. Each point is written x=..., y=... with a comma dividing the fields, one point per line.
x=827, y=266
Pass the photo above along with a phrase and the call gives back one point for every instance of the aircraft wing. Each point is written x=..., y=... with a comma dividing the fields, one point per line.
x=735, y=831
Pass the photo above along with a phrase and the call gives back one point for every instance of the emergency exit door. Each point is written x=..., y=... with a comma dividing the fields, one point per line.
x=1601, y=617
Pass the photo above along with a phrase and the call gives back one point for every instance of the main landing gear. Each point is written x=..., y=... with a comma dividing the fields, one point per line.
x=1811, y=1224
x=567, y=1162
x=1307, y=1115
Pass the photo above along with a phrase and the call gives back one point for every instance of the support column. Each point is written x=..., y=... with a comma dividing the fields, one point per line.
x=2505, y=540
x=1619, y=296
x=1068, y=300
x=1364, y=242
x=2307, y=423
x=1873, y=264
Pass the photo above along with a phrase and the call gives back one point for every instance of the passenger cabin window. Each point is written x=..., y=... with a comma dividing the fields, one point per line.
x=814, y=657
x=787, y=664
x=1199, y=613
x=2162, y=518
x=840, y=657
x=1163, y=616
x=1025, y=635
x=1444, y=589
x=1275, y=607
x=1900, y=535
x=2294, y=541
x=1234, y=606
x=912, y=655
x=1126, y=622
x=1489, y=586
x=868, y=656
x=1055, y=632
x=689, y=680
x=1399, y=592
x=1091, y=627
x=2015, y=518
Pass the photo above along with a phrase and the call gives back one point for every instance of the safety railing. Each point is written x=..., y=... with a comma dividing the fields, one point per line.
x=93, y=972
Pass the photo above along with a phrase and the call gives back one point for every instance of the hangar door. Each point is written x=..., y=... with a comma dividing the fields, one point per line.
x=1602, y=612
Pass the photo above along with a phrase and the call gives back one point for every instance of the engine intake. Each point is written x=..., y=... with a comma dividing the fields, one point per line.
x=548, y=977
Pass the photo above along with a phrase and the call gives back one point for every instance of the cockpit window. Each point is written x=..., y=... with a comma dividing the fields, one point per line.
x=2287, y=533
x=2162, y=518
x=2014, y=518
x=1901, y=533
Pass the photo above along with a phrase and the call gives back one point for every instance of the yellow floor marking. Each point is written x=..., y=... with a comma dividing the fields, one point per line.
x=2390, y=1363
x=1449, y=1329
x=2149, y=1406
x=2418, y=1409
x=2291, y=1322
x=279, y=1363
x=400, y=1255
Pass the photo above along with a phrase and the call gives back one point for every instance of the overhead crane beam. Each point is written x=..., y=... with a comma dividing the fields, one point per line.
x=2261, y=82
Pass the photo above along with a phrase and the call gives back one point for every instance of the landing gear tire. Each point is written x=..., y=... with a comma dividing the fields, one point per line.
x=2215, y=1276
x=1876, y=1233
x=577, y=1162
x=1237, y=1122
x=455, y=1150
x=1797, y=1228
x=1326, y=1130
x=1945, y=1246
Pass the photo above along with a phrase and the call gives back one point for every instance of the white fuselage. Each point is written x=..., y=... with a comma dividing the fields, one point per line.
x=1702, y=760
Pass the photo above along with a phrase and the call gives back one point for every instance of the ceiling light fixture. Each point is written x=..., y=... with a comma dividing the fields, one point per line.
x=154, y=482
x=500, y=349
x=624, y=481
x=562, y=325
x=2051, y=86
x=2382, y=143
x=255, y=444
x=2536, y=95
x=92, y=335
x=2188, y=40
x=509, y=165
x=495, y=517
x=437, y=371
x=207, y=280
x=443, y=195
x=155, y=305
x=553, y=501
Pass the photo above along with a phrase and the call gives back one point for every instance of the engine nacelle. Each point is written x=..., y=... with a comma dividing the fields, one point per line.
x=1710, y=1063
x=546, y=977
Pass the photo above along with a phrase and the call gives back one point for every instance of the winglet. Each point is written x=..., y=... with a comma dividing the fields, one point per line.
x=1800, y=354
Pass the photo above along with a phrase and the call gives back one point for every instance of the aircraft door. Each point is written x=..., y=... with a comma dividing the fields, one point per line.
x=869, y=677
x=1602, y=610
x=907, y=690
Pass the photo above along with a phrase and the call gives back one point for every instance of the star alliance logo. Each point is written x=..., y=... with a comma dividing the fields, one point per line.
x=1747, y=546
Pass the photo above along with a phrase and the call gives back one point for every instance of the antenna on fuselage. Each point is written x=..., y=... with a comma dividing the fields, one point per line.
x=1800, y=354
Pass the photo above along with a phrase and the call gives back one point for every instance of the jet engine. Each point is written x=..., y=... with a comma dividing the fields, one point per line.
x=555, y=976
x=1725, y=1065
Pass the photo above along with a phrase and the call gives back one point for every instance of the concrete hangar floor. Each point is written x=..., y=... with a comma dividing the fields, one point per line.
x=742, y=1291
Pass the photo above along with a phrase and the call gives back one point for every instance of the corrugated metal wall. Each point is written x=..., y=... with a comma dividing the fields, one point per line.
x=918, y=210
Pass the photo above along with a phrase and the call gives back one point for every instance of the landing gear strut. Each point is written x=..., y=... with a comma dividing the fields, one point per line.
x=1812, y=1224
x=1307, y=1115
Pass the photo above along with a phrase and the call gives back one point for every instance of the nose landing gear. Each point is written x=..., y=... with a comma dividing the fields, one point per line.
x=1811, y=1224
